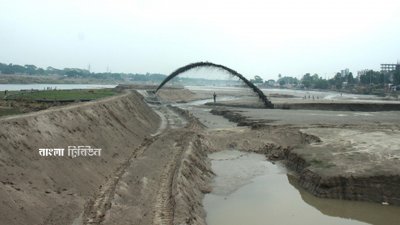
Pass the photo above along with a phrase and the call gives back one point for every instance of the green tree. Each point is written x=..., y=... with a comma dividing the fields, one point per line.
x=372, y=77
x=338, y=81
x=321, y=84
x=257, y=80
x=396, y=77
x=308, y=80
x=350, y=79
x=30, y=69
x=288, y=80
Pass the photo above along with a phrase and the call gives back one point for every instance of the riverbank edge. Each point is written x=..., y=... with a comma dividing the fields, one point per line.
x=379, y=188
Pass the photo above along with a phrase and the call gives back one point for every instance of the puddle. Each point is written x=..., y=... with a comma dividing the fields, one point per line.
x=250, y=190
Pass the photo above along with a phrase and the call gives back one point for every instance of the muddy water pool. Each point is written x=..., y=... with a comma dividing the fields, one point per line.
x=250, y=190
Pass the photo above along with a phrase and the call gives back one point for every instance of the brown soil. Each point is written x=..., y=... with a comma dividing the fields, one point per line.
x=139, y=179
x=53, y=190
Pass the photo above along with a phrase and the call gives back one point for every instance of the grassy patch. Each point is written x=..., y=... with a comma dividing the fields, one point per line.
x=18, y=102
x=61, y=95
x=9, y=111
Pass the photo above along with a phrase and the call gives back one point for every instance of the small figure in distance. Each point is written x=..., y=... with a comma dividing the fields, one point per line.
x=215, y=97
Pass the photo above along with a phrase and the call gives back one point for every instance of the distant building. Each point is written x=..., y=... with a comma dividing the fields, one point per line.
x=390, y=67
x=344, y=72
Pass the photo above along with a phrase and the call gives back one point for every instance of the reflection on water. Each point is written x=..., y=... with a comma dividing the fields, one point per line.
x=250, y=190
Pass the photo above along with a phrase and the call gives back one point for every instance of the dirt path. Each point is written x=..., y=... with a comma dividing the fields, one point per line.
x=140, y=190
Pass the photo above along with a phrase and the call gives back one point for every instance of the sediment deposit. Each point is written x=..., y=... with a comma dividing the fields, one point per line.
x=53, y=190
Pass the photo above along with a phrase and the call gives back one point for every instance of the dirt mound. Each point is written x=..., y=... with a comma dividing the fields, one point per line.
x=52, y=190
x=354, y=164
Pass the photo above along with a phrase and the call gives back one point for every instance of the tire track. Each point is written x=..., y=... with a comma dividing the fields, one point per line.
x=96, y=208
x=165, y=204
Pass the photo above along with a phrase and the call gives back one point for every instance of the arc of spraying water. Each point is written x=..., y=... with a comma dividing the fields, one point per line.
x=188, y=67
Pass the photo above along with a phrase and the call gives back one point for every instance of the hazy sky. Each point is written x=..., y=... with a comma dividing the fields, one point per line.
x=254, y=37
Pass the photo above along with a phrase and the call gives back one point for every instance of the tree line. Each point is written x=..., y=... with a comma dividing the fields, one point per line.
x=14, y=69
x=340, y=81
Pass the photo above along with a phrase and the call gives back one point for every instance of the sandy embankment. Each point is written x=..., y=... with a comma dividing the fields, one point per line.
x=53, y=190
x=144, y=175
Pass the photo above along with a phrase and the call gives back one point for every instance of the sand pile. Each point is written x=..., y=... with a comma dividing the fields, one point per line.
x=53, y=189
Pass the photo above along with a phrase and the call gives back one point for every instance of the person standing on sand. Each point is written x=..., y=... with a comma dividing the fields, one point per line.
x=215, y=97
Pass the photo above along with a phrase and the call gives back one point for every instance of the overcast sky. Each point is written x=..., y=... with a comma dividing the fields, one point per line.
x=254, y=37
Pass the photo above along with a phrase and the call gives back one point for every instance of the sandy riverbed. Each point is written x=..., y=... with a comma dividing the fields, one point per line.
x=155, y=169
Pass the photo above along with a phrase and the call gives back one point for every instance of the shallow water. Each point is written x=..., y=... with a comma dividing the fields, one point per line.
x=250, y=190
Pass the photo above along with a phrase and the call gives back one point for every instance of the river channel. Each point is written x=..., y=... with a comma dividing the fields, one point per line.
x=250, y=190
